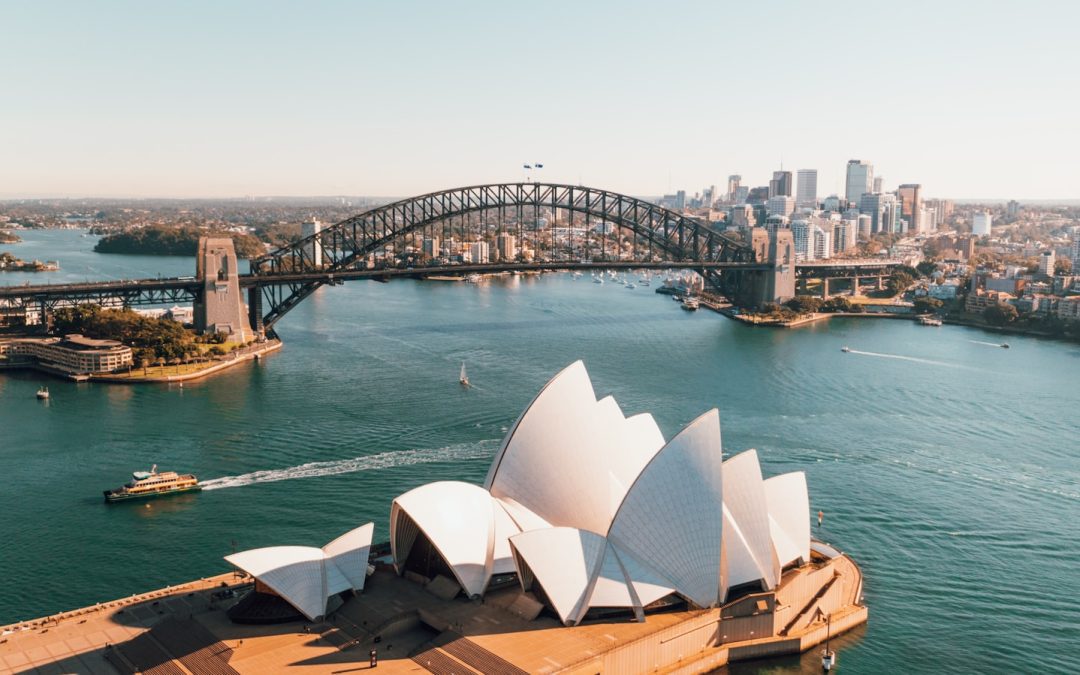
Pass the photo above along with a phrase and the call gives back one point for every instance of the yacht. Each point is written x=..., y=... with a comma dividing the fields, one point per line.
x=929, y=321
x=845, y=349
x=472, y=278
x=598, y=280
x=464, y=379
x=43, y=393
x=152, y=483
x=630, y=285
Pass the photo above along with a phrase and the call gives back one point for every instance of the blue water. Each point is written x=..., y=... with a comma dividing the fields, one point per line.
x=947, y=467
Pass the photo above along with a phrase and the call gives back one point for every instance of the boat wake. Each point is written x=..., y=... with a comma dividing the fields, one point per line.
x=382, y=460
x=913, y=359
x=988, y=344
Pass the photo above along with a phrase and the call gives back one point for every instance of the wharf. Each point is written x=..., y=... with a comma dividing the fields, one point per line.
x=185, y=629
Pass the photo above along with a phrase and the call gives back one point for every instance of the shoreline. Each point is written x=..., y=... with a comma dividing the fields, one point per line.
x=269, y=347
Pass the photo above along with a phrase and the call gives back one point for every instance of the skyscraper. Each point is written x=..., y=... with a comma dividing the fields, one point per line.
x=911, y=205
x=806, y=194
x=733, y=182
x=981, y=223
x=1075, y=250
x=860, y=180
x=781, y=184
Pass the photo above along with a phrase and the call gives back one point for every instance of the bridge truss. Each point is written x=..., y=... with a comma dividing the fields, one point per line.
x=597, y=226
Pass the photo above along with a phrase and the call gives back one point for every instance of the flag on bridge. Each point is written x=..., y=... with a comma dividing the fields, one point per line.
x=527, y=166
x=539, y=166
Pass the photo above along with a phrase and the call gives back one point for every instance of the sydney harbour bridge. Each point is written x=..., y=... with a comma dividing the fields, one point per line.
x=535, y=226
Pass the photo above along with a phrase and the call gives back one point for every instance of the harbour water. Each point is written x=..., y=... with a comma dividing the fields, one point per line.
x=946, y=466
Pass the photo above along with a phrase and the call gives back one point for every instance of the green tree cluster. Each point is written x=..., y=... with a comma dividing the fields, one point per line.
x=151, y=339
x=999, y=315
x=161, y=240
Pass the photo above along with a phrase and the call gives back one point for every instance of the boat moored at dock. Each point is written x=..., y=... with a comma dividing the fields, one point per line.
x=152, y=483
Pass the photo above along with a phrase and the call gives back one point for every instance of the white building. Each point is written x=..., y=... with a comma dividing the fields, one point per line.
x=822, y=242
x=314, y=248
x=806, y=188
x=1046, y=263
x=479, y=252
x=635, y=520
x=780, y=205
x=860, y=180
x=980, y=224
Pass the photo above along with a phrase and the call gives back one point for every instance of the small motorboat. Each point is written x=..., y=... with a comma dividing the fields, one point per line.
x=43, y=393
x=464, y=379
x=845, y=349
x=1004, y=345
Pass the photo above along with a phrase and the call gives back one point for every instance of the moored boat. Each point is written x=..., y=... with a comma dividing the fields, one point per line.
x=152, y=483
x=690, y=304
x=43, y=393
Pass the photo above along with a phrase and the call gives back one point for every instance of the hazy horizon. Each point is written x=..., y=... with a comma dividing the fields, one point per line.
x=128, y=101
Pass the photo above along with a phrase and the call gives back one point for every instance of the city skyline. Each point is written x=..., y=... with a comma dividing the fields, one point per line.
x=332, y=99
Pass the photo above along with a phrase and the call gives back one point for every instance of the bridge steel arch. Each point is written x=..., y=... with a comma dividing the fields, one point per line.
x=670, y=236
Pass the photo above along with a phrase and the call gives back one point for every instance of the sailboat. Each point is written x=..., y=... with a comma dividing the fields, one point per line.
x=464, y=377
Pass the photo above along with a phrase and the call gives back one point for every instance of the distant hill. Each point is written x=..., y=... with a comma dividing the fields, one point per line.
x=173, y=241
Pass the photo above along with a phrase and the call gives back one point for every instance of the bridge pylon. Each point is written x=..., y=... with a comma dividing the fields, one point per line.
x=220, y=309
x=754, y=288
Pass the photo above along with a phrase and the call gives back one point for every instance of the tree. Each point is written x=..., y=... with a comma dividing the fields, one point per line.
x=926, y=268
x=898, y=282
x=837, y=304
x=927, y=305
x=999, y=315
x=804, y=304
x=1062, y=266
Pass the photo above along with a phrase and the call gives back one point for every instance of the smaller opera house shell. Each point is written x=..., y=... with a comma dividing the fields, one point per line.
x=597, y=515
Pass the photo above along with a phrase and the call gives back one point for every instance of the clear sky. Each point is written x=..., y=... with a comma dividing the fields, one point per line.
x=392, y=98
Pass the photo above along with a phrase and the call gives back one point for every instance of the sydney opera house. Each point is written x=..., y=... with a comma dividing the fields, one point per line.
x=588, y=518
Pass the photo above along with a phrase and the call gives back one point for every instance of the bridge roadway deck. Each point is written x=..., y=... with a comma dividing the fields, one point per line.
x=192, y=286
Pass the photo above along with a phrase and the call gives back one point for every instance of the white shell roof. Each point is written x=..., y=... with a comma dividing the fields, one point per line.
x=602, y=513
x=306, y=576
x=565, y=426
x=565, y=561
x=789, y=516
x=349, y=554
x=459, y=520
x=748, y=548
x=670, y=518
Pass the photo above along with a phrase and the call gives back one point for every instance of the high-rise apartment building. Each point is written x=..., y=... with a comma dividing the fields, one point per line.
x=800, y=231
x=506, y=246
x=742, y=193
x=1075, y=250
x=879, y=182
x=479, y=252
x=981, y=224
x=315, y=248
x=430, y=247
x=910, y=206
x=822, y=242
x=860, y=180
x=781, y=184
x=806, y=190
x=1046, y=263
